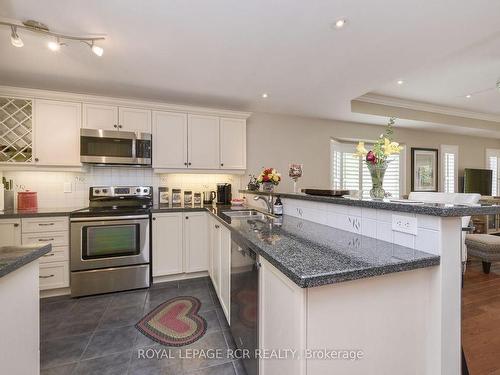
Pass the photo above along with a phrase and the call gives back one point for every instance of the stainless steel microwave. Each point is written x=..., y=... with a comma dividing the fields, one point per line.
x=115, y=147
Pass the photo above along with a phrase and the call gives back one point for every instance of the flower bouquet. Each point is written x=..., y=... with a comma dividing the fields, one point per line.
x=269, y=178
x=376, y=159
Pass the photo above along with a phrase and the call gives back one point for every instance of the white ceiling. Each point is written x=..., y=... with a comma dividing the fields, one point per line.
x=226, y=53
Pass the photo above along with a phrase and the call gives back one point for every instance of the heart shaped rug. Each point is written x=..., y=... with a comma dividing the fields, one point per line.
x=175, y=322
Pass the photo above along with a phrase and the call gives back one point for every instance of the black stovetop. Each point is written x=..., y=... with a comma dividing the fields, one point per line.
x=110, y=211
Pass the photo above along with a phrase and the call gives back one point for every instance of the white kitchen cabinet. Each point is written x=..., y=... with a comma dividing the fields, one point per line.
x=225, y=271
x=98, y=116
x=233, y=150
x=134, y=120
x=203, y=142
x=10, y=232
x=216, y=254
x=109, y=117
x=167, y=243
x=170, y=131
x=282, y=305
x=195, y=242
x=57, y=133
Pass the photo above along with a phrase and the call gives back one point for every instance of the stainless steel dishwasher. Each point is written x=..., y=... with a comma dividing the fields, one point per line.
x=244, y=303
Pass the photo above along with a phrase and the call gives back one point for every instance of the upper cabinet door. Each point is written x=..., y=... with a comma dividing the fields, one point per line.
x=233, y=141
x=170, y=131
x=57, y=133
x=203, y=142
x=97, y=116
x=134, y=120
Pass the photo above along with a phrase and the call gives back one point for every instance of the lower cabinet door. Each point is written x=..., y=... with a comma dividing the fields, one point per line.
x=195, y=242
x=225, y=271
x=167, y=243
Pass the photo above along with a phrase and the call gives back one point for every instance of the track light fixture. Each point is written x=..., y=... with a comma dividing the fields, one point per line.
x=54, y=45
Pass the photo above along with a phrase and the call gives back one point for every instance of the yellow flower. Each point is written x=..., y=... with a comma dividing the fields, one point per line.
x=276, y=178
x=361, y=150
x=390, y=147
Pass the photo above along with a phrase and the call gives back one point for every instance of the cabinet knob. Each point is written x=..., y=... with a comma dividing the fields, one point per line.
x=120, y=126
x=16, y=225
x=36, y=159
x=154, y=218
x=216, y=227
x=189, y=163
x=187, y=217
x=185, y=163
x=221, y=164
x=115, y=126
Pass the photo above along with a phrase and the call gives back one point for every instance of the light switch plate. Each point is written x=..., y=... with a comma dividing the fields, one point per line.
x=404, y=224
x=67, y=187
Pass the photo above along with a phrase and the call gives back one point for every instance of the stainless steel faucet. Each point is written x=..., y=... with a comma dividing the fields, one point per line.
x=268, y=201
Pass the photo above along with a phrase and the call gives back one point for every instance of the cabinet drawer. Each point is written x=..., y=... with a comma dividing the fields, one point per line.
x=54, y=238
x=54, y=275
x=45, y=224
x=58, y=254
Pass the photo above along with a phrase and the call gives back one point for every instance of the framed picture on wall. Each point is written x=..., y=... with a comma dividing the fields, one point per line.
x=424, y=169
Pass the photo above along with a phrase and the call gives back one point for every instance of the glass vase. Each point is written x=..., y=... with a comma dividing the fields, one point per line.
x=377, y=172
x=268, y=187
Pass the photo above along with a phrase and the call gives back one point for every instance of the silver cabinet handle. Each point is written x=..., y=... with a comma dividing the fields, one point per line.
x=46, y=277
x=49, y=255
x=45, y=224
x=16, y=225
x=217, y=227
x=45, y=239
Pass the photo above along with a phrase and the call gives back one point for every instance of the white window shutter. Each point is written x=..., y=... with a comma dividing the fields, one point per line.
x=449, y=168
x=493, y=163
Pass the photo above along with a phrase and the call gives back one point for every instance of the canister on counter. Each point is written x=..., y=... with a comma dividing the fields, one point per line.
x=163, y=197
x=188, y=198
x=176, y=196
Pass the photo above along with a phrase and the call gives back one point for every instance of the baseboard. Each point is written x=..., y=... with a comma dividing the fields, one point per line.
x=54, y=292
x=179, y=276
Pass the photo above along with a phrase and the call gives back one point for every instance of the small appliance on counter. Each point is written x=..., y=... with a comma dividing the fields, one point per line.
x=27, y=201
x=223, y=193
x=209, y=196
x=110, y=241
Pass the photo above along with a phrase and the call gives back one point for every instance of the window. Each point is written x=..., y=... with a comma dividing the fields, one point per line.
x=493, y=163
x=350, y=172
x=449, y=166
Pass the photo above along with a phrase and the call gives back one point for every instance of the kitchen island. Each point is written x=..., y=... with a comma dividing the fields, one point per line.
x=19, y=312
x=364, y=294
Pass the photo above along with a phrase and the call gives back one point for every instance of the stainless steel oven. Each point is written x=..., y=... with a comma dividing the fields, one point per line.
x=109, y=253
x=115, y=147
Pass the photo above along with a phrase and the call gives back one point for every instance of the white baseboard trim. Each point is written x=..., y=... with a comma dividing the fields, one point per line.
x=54, y=292
x=179, y=276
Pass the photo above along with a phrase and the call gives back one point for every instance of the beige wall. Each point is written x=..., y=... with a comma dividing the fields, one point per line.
x=277, y=140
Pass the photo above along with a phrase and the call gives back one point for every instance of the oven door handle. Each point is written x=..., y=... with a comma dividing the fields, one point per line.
x=101, y=218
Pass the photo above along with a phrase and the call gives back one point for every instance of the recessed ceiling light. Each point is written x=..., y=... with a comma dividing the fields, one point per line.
x=400, y=82
x=14, y=38
x=265, y=95
x=468, y=96
x=340, y=23
x=54, y=46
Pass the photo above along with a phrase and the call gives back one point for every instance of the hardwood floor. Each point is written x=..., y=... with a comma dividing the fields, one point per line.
x=481, y=319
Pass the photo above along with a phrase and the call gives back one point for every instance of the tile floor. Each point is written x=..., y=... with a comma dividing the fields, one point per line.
x=96, y=335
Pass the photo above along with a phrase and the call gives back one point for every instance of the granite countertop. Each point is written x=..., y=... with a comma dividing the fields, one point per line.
x=433, y=209
x=40, y=212
x=14, y=257
x=312, y=254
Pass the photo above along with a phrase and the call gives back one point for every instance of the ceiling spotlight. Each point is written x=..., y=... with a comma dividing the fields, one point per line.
x=265, y=95
x=15, y=39
x=54, y=45
x=400, y=82
x=97, y=50
x=340, y=23
x=468, y=96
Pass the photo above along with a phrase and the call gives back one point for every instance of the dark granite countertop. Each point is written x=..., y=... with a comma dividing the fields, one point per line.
x=14, y=257
x=433, y=209
x=312, y=254
x=64, y=211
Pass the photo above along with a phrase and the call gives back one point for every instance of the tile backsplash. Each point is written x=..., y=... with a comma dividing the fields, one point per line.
x=50, y=186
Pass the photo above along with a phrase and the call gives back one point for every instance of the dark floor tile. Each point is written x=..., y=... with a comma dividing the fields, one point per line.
x=167, y=284
x=46, y=300
x=125, y=299
x=158, y=296
x=157, y=360
x=214, y=341
x=239, y=367
x=222, y=318
x=114, y=364
x=229, y=339
x=69, y=326
x=110, y=341
x=60, y=370
x=62, y=351
x=224, y=369
x=59, y=308
x=193, y=282
x=120, y=317
x=212, y=320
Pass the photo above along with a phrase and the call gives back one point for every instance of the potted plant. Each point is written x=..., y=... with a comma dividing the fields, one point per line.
x=376, y=159
x=269, y=178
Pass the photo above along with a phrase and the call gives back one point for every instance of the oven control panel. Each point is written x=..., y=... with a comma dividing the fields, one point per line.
x=120, y=191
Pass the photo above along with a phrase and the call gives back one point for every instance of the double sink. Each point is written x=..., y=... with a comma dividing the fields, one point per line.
x=248, y=214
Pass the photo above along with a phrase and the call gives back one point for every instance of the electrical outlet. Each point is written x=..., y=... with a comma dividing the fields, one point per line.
x=404, y=224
